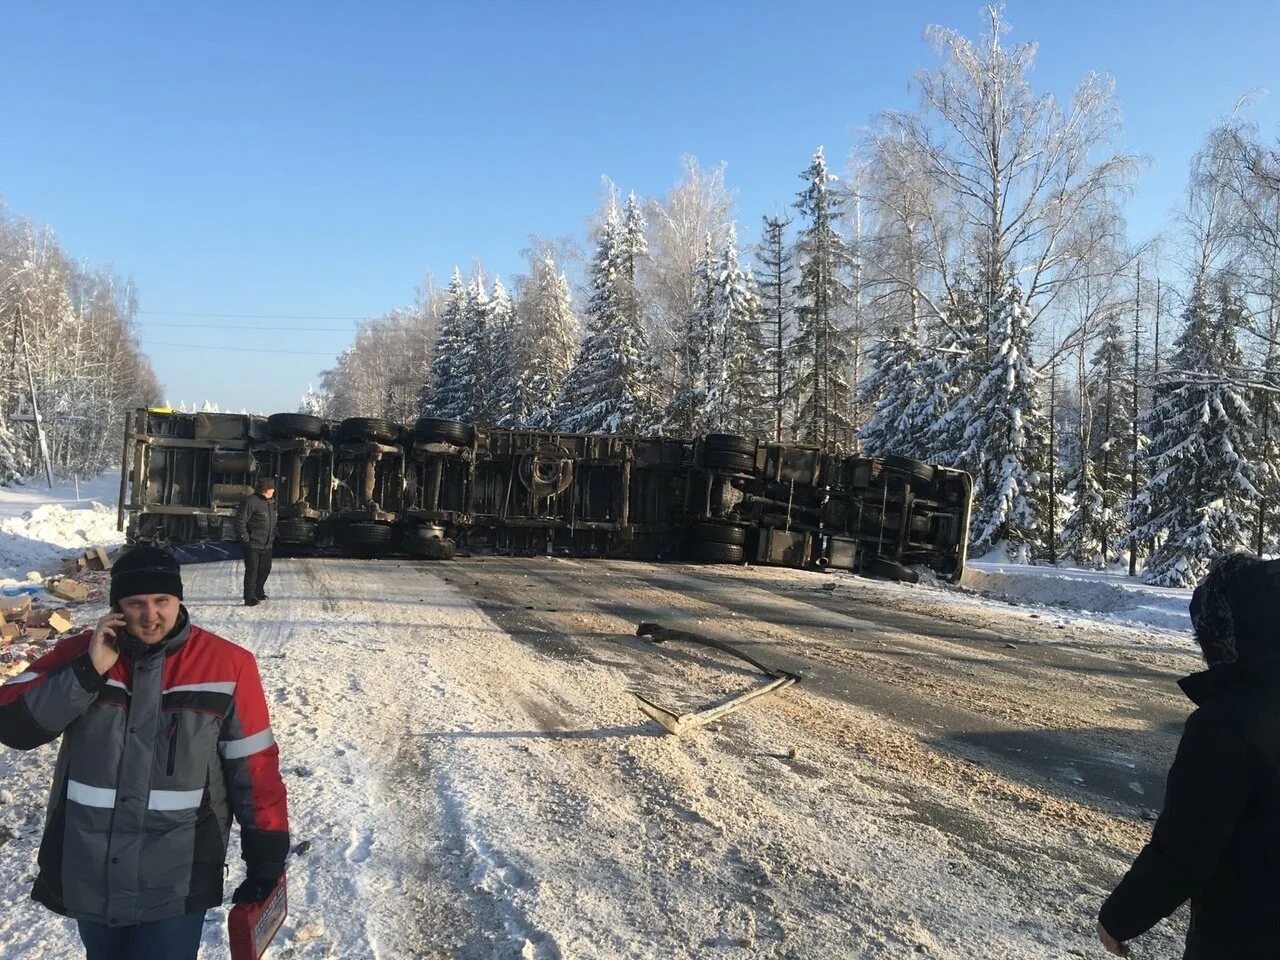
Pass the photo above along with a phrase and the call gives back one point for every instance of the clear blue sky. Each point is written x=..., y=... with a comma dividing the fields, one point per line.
x=314, y=159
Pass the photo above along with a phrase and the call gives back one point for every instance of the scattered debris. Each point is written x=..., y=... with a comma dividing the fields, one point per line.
x=678, y=724
x=68, y=589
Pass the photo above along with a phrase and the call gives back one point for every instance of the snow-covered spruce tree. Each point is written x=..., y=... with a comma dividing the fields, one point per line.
x=954, y=359
x=11, y=460
x=822, y=348
x=685, y=414
x=444, y=396
x=1100, y=480
x=608, y=389
x=1003, y=443
x=548, y=340
x=893, y=387
x=775, y=266
x=1266, y=455
x=1201, y=493
x=312, y=403
x=736, y=398
x=502, y=401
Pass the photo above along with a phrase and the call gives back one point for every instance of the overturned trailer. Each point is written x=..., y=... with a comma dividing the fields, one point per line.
x=365, y=486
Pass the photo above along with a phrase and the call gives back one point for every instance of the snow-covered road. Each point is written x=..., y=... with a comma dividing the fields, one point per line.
x=471, y=779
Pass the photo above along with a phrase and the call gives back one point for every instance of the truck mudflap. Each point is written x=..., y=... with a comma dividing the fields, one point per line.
x=678, y=724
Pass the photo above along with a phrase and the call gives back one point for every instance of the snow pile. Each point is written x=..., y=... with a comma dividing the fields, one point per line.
x=1107, y=595
x=40, y=527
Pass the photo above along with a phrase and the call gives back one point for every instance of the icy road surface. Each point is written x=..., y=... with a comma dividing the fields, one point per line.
x=471, y=778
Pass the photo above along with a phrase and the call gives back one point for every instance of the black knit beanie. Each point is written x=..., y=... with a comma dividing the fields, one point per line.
x=145, y=570
x=1236, y=610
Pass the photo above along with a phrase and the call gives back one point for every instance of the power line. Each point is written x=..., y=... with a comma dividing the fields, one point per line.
x=223, y=326
x=210, y=346
x=245, y=316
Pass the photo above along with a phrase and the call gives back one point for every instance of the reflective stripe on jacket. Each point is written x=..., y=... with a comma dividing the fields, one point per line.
x=156, y=758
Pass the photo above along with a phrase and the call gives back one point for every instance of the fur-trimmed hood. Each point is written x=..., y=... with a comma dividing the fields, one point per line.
x=1236, y=610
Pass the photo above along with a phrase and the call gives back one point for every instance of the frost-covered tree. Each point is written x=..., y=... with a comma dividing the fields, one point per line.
x=313, y=403
x=954, y=364
x=1201, y=490
x=893, y=388
x=500, y=390
x=774, y=272
x=548, y=339
x=736, y=399
x=471, y=371
x=1004, y=432
x=609, y=389
x=686, y=410
x=822, y=347
x=444, y=395
x=12, y=468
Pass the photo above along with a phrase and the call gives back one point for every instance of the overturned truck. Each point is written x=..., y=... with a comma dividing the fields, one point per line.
x=369, y=487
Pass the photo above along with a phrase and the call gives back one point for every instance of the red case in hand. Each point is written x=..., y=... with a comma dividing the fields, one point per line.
x=252, y=926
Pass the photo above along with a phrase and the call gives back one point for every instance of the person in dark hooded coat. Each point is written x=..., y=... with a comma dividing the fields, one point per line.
x=1217, y=840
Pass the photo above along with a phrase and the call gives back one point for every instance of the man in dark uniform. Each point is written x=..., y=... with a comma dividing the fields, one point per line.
x=256, y=530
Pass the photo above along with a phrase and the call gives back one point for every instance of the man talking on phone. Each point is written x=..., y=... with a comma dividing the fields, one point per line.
x=165, y=738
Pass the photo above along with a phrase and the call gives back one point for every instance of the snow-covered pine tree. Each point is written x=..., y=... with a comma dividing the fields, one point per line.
x=892, y=386
x=471, y=371
x=443, y=397
x=549, y=332
x=774, y=272
x=608, y=389
x=12, y=467
x=1003, y=444
x=736, y=394
x=312, y=403
x=1266, y=454
x=685, y=414
x=822, y=346
x=1201, y=492
x=953, y=364
x=501, y=393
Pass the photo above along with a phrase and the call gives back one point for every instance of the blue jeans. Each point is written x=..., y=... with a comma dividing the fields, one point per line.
x=177, y=938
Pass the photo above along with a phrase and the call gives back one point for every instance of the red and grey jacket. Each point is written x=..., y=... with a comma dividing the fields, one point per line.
x=157, y=756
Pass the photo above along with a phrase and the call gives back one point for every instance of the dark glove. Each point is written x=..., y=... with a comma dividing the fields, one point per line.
x=261, y=881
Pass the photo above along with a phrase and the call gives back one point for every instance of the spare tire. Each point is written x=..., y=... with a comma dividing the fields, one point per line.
x=290, y=425
x=432, y=549
x=730, y=443
x=718, y=533
x=892, y=570
x=708, y=551
x=438, y=430
x=730, y=461
x=368, y=428
x=365, y=536
x=295, y=531
x=917, y=469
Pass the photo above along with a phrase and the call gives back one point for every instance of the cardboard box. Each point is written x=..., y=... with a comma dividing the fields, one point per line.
x=100, y=555
x=17, y=609
x=9, y=632
x=30, y=633
x=68, y=589
x=59, y=621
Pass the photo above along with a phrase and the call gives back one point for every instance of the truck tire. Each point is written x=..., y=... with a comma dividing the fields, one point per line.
x=730, y=443
x=718, y=533
x=892, y=570
x=437, y=430
x=432, y=549
x=707, y=551
x=294, y=425
x=368, y=428
x=730, y=461
x=295, y=531
x=916, y=469
x=365, y=538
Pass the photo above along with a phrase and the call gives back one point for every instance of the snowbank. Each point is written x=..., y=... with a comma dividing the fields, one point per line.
x=1105, y=595
x=39, y=527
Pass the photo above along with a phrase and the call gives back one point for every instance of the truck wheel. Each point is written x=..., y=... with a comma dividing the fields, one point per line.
x=709, y=552
x=291, y=425
x=730, y=461
x=295, y=531
x=730, y=443
x=718, y=533
x=892, y=570
x=368, y=539
x=432, y=549
x=436, y=430
x=368, y=428
x=916, y=469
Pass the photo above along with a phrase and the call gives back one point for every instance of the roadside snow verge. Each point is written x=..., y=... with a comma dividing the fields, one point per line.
x=1109, y=596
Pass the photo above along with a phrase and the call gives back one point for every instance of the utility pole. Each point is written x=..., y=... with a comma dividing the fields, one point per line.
x=35, y=407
